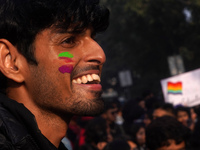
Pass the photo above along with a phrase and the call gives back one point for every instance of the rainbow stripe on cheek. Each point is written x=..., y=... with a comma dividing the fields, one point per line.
x=66, y=57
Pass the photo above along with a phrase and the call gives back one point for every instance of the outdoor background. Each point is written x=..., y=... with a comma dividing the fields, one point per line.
x=141, y=37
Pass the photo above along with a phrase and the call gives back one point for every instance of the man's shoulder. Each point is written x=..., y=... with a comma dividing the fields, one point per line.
x=18, y=128
x=5, y=143
x=13, y=134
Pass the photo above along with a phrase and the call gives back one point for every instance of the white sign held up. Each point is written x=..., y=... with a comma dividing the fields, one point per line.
x=183, y=89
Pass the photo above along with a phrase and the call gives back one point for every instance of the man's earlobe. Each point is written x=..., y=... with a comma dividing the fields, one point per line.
x=9, y=61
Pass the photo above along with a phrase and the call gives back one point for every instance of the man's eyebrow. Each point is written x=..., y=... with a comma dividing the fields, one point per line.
x=68, y=31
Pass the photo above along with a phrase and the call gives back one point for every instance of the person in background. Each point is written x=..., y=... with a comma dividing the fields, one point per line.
x=117, y=144
x=132, y=112
x=166, y=133
x=195, y=138
x=97, y=135
x=183, y=115
x=50, y=68
x=138, y=136
x=194, y=115
x=110, y=114
x=163, y=109
x=148, y=117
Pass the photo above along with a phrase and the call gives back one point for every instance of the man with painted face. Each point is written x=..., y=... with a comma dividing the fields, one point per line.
x=50, y=67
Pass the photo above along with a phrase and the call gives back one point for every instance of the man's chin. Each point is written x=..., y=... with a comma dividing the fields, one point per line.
x=94, y=109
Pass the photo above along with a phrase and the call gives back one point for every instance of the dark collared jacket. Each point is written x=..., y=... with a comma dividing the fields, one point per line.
x=19, y=130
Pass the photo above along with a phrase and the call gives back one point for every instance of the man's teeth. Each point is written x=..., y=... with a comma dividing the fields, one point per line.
x=87, y=78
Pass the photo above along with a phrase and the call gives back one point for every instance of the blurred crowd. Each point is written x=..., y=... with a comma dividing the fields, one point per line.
x=143, y=123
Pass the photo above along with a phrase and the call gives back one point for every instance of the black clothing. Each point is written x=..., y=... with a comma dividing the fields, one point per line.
x=19, y=130
x=88, y=146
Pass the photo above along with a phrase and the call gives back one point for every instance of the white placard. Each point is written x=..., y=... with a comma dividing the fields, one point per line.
x=125, y=78
x=184, y=90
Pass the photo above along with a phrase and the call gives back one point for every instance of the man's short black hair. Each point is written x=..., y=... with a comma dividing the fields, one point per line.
x=183, y=108
x=22, y=20
x=117, y=144
x=165, y=106
x=163, y=129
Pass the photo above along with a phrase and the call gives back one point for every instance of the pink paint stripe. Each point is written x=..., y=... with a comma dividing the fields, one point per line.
x=66, y=69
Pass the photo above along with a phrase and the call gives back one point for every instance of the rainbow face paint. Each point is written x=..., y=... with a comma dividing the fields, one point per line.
x=66, y=56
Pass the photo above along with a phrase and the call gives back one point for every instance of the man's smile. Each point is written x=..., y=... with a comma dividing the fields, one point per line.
x=87, y=79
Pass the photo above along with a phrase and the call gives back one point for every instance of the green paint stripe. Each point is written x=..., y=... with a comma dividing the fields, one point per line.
x=65, y=54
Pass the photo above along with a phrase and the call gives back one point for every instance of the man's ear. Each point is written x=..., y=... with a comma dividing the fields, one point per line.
x=10, y=61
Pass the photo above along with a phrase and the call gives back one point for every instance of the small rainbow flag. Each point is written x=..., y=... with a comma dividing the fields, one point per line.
x=174, y=88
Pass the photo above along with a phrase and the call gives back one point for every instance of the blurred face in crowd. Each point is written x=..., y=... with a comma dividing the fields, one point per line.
x=109, y=135
x=132, y=145
x=146, y=120
x=142, y=104
x=140, y=136
x=183, y=117
x=173, y=146
x=111, y=114
x=193, y=114
x=102, y=144
x=69, y=68
x=160, y=112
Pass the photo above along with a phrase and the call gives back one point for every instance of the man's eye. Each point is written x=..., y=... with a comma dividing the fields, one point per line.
x=70, y=40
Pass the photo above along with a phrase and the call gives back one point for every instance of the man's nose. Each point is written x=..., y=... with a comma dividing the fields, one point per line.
x=94, y=53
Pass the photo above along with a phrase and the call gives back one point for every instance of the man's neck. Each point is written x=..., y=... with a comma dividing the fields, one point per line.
x=52, y=127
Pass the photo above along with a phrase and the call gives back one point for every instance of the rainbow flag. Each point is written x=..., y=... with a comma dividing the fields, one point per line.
x=174, y=88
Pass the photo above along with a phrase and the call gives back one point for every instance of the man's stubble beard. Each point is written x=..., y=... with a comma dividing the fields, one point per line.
x=76, y=104
x=85, y=106
x=48, y=98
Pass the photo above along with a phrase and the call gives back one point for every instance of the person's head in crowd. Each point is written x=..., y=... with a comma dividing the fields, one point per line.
x=131, y=113
x=97, y=134
x=183, y=115
x=110, y=115
x=137, y=134
x=195, y=138
x=151, y=102
x=193, y=114
x=197, y=111
x=163, y=109
x=166, y=133
x=148, y=117
x=110, y=112
x=141, y=102
x=119, y=119
x=147, y=94
x=118, y=144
